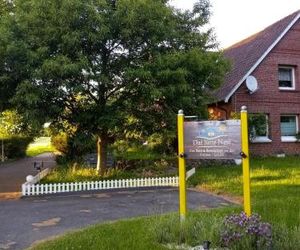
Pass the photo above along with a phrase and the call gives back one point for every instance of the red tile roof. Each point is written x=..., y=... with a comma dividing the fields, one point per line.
x=245, y=54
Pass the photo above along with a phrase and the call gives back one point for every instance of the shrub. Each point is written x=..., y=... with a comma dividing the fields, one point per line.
x=15, y=146
x=60, y=142
x=194, y=231
x=243, y=232
x=162, y=142
x=76, y=173
x=73, y=146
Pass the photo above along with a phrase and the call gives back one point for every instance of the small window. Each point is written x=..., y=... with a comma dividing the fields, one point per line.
x=259, y=128
x=288, y=127
x=286, y=77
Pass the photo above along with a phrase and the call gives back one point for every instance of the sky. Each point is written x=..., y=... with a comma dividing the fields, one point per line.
x=234, y=20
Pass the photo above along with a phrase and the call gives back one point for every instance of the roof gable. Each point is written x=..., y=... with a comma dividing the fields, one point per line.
x=247, y=54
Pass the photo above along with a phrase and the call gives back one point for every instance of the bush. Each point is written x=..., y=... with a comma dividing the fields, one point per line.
x=162, y=142
x=60, y=142
x=15, y=146
x=243, y=232
x=73, y=146
x=194, y=231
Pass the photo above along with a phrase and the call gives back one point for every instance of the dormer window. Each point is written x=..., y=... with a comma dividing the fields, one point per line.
x=286, y=77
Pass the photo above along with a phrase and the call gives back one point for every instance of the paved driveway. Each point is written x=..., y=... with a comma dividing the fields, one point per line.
x=13, y=174
x=28, y=220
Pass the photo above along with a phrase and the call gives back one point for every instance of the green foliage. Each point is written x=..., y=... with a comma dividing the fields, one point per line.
x=96, y=63
x=74, y=145
x=197, y=228
x=162, y=142
x=6, y=7
x=130, y=168
x=257, y=125
x=60, y=142
x=12, y=124
x=78, y=173
x=15, y=146
x=240, y=231
x=15, y=133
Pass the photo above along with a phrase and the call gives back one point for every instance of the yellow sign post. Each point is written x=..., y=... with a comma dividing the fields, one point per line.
x=181, y=162
x=182, y=167
x=245, y=160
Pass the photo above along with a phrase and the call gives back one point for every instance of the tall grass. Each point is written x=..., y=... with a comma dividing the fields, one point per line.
x=78, y=173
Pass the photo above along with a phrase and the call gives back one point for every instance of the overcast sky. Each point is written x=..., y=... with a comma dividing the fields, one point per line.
x=234, y=20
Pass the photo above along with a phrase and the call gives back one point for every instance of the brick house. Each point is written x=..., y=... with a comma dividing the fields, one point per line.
x=272, y=57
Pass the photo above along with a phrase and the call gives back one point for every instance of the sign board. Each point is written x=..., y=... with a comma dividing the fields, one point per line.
x=212, y=139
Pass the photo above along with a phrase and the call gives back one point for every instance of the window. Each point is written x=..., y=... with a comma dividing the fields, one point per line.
x=286, y=77
x=288, y=127
x=259, y=128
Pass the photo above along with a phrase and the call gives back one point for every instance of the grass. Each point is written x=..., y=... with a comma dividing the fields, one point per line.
x=39, y=146
x=275, y=187
x=77, y=173
x=133, y=234
x=130, y=234
x=275, y=184
x=148, y=167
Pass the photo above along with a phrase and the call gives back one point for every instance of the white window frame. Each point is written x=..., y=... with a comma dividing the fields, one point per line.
x=263, y=139
x=290, y=138
x=293, y=77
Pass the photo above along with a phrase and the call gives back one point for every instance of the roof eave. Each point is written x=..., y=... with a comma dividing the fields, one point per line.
x=261, y=58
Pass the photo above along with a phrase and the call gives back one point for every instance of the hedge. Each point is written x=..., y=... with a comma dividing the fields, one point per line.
x=15, y=146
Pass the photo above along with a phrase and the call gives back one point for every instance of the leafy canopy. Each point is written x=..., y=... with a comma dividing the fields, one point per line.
x=12, y=124
x=108, y=66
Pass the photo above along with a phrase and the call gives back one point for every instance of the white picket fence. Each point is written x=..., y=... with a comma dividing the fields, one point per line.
x=29, y=189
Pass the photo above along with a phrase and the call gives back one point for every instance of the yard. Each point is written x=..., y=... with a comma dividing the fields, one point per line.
x=275, y=190
x=39, y=146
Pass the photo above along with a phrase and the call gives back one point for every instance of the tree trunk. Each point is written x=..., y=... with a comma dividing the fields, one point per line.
x=101, y=154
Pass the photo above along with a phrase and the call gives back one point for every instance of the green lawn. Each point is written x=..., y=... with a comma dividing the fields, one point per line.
x=275, y=190
x=136, y=234
x=275, y=186
x=39, y=146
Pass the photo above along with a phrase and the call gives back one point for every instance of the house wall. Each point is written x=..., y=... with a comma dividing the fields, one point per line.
x=269, y=99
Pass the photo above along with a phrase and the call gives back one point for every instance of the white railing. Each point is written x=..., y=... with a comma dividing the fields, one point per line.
x=29, y=189
x=39, y=176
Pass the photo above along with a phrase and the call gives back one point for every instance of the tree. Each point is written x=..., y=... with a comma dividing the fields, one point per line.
x=14, y=129
x=13, y=58
x=6, y=6
x=99, y=64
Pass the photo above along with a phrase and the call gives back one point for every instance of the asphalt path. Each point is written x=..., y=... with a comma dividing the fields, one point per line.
x=26, y=221
x=13, y=174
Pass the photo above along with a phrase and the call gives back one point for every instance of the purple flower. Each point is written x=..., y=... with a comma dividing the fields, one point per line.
x=239, y=226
